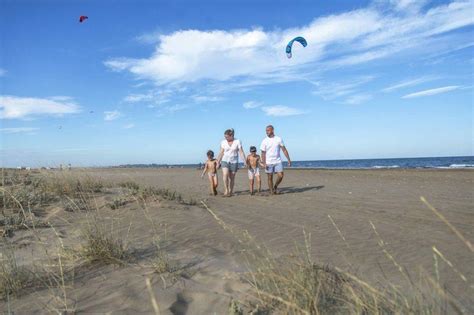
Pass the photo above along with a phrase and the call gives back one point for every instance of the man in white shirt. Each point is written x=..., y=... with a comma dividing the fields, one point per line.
x=271, y=159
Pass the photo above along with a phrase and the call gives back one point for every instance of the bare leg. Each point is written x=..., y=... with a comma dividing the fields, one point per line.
x=251, y=185
x=270, y=182
x=211, y=183
x=226, y=175
x=215, y=182
x=278, y=181
x=259, y=183
x=231, y=184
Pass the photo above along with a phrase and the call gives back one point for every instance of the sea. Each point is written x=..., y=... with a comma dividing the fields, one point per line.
x=454, y=162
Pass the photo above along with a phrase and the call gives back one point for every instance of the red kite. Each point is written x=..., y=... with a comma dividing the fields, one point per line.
x=82, y=18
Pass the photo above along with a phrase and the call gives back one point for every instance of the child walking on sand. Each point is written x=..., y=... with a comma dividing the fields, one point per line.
x=210, y=166
x=254, y=162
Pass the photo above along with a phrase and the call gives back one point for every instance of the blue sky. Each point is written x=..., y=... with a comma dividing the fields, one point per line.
x=160, y=81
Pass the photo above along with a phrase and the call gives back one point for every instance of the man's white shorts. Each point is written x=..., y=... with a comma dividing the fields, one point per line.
x=274, y=168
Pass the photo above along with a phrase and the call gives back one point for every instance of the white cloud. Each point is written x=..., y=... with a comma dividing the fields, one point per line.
x=435, y=91
x=149, y=38
x=111, y=115
x=206, y=98
x=14, y=107
x=252, y=104
x=155, y=96
x=135, y=98
x=171, y=109
x=408, y=83
x=410, y=6
x=358, y=99
x=333, y=90
x=18, y=130
x=280, y=110
x=128, y=126
x=175, y=108
x=256, y=56
x=274, y=110
x=61, y=98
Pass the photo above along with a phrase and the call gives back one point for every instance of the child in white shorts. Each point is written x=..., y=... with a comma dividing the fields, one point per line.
x=254, y=162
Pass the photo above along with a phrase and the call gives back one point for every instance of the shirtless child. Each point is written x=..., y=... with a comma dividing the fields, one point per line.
x=210, y=166
x=254, y=162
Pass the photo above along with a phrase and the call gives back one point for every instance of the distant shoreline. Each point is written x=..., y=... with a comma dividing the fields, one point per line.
x=454, y=162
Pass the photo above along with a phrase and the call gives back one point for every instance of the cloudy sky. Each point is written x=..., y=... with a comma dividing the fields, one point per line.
x=159, y=81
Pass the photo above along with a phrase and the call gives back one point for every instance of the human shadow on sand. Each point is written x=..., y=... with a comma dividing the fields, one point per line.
x=294, y=190
x=282, y=190
x=180, y=306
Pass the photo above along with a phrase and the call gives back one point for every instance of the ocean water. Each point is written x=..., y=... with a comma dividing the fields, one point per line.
x=455, y=162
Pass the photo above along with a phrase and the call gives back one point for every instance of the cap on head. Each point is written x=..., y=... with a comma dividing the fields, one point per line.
x=210, y=154
x=253, y=149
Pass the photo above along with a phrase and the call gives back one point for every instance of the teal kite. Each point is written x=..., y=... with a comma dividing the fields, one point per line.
x=300, y=40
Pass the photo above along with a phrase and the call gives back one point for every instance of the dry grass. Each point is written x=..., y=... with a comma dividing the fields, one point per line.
x=161, y=263
x=24, y=193
x=53, y=275
x=78, y=204
x=445, y=221
x=72, y=186
x=296, y=285
x=32, y=190
x=19, y=221
x=118, y=202
x=13, y=278
x=129, y=185
x=153, y=193
x=103, y=244
x=170, y=271
x=234, y=308
x=153, y=301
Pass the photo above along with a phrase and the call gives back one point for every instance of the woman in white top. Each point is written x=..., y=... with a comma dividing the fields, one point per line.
x=228, y=159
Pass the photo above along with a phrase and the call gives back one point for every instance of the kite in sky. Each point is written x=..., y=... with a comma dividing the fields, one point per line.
x=300, y=40
x=82, y=18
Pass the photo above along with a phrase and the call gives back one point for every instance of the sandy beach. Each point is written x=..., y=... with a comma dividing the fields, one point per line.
x=388, y=198
x=353, y=199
